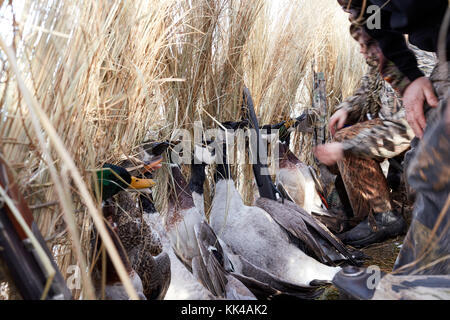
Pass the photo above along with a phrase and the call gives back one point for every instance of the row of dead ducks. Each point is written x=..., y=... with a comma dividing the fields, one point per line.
x=267, y=251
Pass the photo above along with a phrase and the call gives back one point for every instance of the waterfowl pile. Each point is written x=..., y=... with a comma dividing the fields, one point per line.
x=270, y=250
x=124, y=72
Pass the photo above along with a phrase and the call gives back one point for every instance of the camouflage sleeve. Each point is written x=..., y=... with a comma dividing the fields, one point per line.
x=359, y=103
x=386, y=140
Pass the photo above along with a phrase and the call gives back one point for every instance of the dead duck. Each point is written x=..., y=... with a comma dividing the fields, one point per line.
x=143, y=249
x=309, y=233
x=111, y=180
x=183, y=285
x=299, y=182
x=228, y=272
x=113, y=286
x=216, y=254
x=182, y=224
x=264, y=238
x=141, y=241
x=252, y=233
x=143, y=246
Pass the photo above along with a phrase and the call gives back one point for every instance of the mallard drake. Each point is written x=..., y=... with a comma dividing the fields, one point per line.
x=137, y=241
x=112, y=179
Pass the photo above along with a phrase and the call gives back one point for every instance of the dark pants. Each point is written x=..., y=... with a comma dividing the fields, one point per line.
x=426, y=249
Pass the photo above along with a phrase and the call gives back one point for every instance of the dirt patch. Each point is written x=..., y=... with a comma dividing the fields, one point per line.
x=383, y=254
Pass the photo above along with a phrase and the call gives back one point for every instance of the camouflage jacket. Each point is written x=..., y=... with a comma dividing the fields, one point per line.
x=377, y=98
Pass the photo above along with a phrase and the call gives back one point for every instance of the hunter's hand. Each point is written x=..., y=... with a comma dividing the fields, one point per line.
x=329, y=153
x=337, y=120
x=419, y=91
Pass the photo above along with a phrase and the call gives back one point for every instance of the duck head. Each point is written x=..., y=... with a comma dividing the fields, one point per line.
x=284, y=129
x=112, y=179
x=153, y=154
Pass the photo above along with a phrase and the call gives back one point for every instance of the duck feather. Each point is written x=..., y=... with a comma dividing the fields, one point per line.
x=213, y=256
x=300, y=217
x=262, y=284
x=293, y=223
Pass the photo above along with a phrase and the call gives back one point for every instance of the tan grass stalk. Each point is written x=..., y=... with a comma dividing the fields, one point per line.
x=109, y=74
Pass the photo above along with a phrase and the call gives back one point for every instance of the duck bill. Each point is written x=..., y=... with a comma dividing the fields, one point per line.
x=137, y=183
x=154, y=164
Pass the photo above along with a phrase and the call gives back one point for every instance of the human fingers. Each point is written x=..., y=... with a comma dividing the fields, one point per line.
x=342, y=121
x=418, y=131
x=332, y=125
x=430, y=97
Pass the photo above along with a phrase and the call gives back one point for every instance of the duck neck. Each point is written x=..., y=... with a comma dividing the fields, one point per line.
x=264, y=183
x=196, y=182
x=287, y=157
x=146, y=199
x=286, y=138
x=223, y=169
x=180, y=195
x=197, y=179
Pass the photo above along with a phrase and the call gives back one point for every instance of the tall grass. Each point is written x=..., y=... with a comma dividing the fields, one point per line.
x=109, y=74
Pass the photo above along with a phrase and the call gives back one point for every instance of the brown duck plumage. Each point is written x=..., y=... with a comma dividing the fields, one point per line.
x=142, y=245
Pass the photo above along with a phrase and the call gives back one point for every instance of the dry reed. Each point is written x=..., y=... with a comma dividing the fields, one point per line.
x=110, y=74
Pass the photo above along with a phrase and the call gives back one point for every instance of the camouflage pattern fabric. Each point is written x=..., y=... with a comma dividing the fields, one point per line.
x=426, y=249
x=368, y=142
x=376, y=98
x=379, y=127
x=364, y=180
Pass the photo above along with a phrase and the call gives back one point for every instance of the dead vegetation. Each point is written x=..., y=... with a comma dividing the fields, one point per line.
x=96, y=78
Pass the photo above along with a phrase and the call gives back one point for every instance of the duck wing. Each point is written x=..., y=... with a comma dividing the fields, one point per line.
x=209, y=276
x=155, y=275
x=210, y=260
x=265, y=285
x=293, y=223
x=321, y=230
x=218, y=280
x=334, y=219
x=284, y=191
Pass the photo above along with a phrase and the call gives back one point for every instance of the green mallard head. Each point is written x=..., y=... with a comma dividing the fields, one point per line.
x=112, y=179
